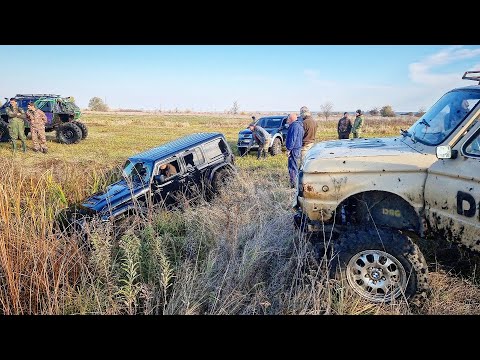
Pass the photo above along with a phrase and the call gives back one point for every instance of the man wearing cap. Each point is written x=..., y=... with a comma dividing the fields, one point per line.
x=38, y=120
x=357, y=124
x=310, y=131
x=262, y=137
x=16, y=126
x=294, y=146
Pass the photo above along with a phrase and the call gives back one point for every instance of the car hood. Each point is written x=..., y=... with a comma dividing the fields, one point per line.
x=114, y=195
x=370, y=155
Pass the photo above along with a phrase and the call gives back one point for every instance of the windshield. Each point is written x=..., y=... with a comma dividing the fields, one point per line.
x=270, y=122
x=138, y=172
x=443, y=117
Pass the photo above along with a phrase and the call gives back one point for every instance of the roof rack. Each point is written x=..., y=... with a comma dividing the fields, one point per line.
x=470, y=77
x=37, y=95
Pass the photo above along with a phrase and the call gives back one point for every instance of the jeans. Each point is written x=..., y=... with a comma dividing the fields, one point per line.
x=293, y=166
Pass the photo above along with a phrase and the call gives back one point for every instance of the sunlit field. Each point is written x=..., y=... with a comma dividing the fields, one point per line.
x=238, y=254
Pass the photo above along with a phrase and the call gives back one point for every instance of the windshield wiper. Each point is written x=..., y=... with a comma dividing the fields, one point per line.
x=405, y=133
x=424, y=122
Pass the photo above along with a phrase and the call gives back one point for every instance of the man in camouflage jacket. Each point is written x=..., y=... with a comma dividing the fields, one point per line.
x=357, y=124
x=38, y=120
x=16, y=125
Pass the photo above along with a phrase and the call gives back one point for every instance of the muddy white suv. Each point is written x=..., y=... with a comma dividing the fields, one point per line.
x=368, y=198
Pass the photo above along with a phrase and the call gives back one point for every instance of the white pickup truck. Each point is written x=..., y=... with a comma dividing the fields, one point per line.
x=372, y=196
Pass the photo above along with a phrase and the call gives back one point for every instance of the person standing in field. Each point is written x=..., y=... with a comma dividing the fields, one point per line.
x=344, y=127
x=294, y=146
x=357, y=124
x=310, y=131
x=37, y=120
x=262, y=137
x=16, y=126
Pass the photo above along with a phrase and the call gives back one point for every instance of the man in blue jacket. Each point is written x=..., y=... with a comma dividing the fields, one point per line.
x=294, y=146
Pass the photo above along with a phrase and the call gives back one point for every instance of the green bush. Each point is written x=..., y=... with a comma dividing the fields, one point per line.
x=97, y=104
x=387, y=111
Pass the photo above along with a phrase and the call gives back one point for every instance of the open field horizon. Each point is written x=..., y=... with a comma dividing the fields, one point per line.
x=239, y=254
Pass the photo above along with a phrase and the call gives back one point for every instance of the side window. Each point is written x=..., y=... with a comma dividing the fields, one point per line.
x=473, y=146
x=214, y=149
x=45, y=106
x=194, y=158
x=169, y=168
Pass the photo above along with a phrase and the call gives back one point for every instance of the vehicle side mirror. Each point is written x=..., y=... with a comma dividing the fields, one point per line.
x=286, y=126
x=159, y=179
x=446, y=152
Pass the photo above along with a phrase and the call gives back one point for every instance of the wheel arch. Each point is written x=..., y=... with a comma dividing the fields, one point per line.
x=277, y=136
x=219, y=168
x=381, y=208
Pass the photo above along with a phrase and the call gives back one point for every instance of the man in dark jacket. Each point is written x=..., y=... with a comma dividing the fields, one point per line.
x=310, y=131
x=344, y=127
x=294, y=146
x=263, y=139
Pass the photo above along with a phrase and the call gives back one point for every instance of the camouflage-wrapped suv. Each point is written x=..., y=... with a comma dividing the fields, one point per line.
x=375, y=195
x=62, y=116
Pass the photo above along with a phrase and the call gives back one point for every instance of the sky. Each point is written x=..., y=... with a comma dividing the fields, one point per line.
x=257, y=77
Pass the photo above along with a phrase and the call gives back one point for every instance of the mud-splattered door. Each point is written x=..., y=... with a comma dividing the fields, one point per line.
x=452, y=193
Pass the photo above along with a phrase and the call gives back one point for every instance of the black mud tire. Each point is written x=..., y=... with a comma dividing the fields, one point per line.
x=276, y=147
x=82, y=127
x=4, y=135
x=26, y=131
x=391, y=244
x=69, y=133
x=221, y=178
x=242, y=151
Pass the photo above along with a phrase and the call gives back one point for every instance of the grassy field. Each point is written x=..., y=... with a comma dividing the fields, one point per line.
x=239, y=254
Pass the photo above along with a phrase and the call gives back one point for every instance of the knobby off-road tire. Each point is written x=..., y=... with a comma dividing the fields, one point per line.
x=4, y=135
x=69, y=133
x=381, y=267
x=276, y=147
x=221, y=178
x=82, y=127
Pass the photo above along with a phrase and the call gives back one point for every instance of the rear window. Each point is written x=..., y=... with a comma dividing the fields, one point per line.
x=215, y=149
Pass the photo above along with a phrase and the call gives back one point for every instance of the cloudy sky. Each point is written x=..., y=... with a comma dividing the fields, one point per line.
x=258, y=77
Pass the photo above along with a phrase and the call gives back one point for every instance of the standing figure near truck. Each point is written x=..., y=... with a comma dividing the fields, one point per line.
x=344, y=127
x=294, y=147
x=357, y=124
x=310, y=131
x=263, y=139
x=37, y=120
x=16, y=126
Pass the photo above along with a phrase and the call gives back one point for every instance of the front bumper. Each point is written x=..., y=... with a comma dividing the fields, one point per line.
x=243, y=143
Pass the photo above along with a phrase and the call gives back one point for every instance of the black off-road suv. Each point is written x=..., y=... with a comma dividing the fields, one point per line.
x=202, y=162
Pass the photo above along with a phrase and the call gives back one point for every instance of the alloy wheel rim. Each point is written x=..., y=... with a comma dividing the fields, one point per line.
x=376, y=276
